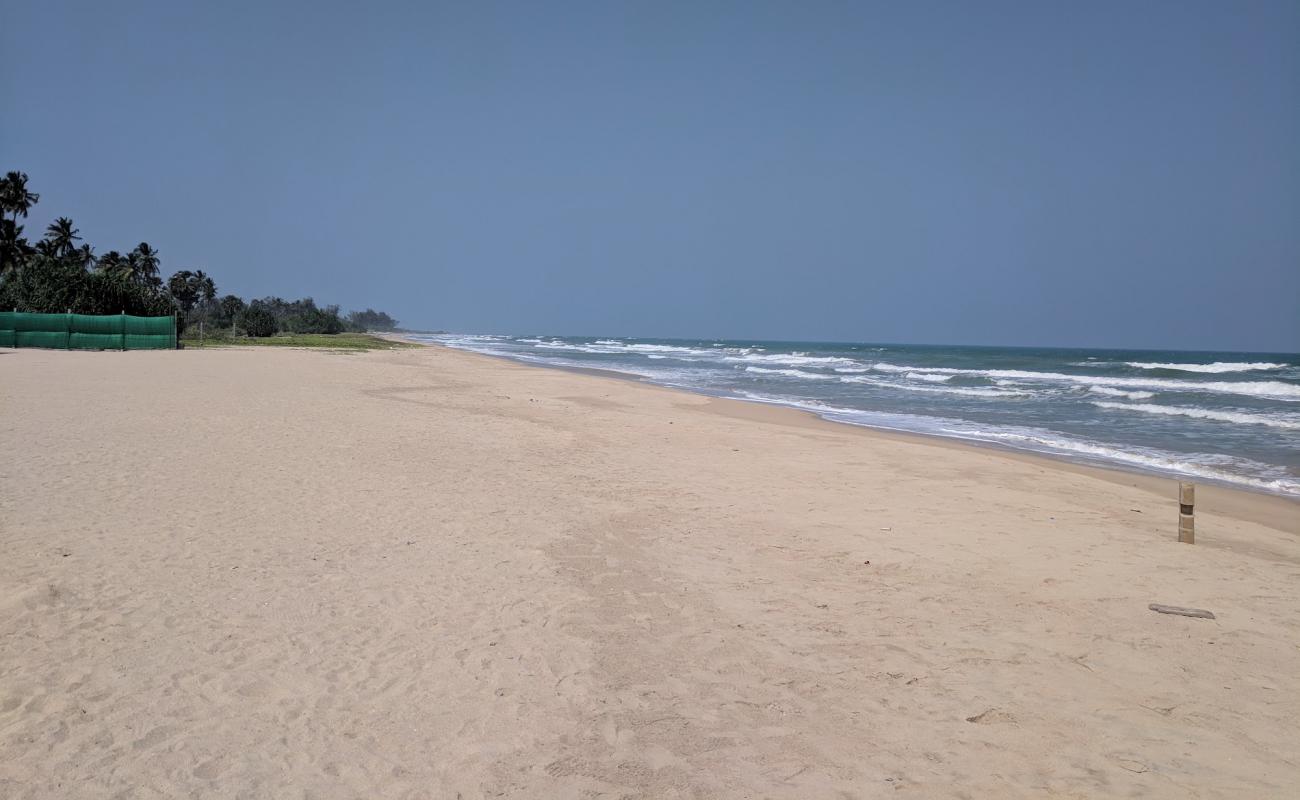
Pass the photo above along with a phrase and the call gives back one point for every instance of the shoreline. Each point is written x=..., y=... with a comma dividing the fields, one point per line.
x=1278, y=511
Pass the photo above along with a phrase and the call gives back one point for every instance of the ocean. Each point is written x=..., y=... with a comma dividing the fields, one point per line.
x=1231, y=418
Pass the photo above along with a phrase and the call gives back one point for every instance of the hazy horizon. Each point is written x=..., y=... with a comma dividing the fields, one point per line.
x=1012, y=174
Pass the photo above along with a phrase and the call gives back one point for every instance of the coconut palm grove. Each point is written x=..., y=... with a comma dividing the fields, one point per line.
x=60, y=272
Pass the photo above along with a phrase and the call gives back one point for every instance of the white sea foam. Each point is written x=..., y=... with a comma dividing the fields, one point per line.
x=1217, y=366
x=1109, y=392
x=1240, y=417
x=790, y=373
x=612, y=347
x=662, y=348
x=884, y=366
x=793, y=359
x=965, y=391
x=931, y=378
x=1267, y=390
x=491, y=345
x=466, y=338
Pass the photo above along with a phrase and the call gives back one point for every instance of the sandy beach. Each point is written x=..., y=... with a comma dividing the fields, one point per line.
x=432, y=574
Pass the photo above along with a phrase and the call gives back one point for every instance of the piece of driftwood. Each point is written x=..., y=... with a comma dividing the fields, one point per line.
x=1182, y=612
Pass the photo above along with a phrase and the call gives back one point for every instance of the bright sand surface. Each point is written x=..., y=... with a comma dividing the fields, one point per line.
x=426, y=573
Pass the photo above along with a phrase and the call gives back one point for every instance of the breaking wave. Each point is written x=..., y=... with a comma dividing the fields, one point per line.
x=1239, y=417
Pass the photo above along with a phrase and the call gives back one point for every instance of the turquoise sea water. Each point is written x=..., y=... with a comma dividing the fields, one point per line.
x=1225, y=417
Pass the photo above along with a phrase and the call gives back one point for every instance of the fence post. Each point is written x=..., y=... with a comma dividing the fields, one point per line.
x=1186, y=522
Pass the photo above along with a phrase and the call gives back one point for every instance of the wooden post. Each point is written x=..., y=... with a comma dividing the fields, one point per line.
x=1186, y=522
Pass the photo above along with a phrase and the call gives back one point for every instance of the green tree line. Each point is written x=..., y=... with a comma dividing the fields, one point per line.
x=59, y=273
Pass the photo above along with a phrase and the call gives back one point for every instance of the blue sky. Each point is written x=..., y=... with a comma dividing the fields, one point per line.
x=1036, y=173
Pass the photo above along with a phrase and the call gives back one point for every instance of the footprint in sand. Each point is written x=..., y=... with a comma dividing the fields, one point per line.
x=994, y=716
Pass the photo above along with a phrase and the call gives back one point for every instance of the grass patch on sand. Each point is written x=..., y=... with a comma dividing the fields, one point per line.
x=350, y=342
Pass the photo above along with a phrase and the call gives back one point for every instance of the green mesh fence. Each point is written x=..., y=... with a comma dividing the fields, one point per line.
x=87, y=331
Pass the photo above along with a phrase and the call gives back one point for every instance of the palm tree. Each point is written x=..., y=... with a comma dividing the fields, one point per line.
x=14, y=197
x=144, y=263
x=207, y=289
x=191, y=289
x=114, y=265
x=62, y=235
x=130, y=267
x=86, y=255
x=13, y=247
x=181, y=287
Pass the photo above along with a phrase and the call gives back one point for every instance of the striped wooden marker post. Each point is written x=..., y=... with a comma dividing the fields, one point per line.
x=1186, y=522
